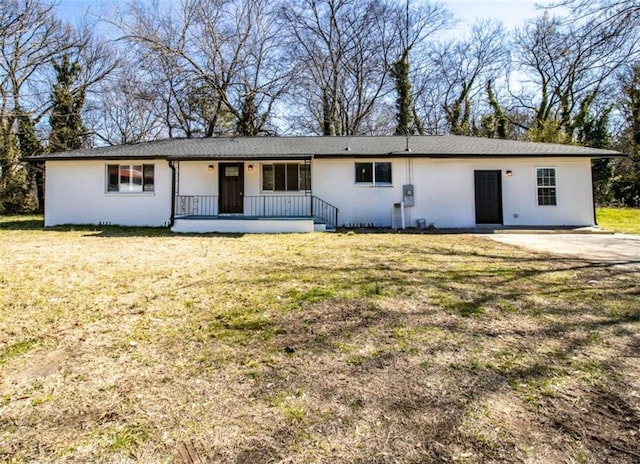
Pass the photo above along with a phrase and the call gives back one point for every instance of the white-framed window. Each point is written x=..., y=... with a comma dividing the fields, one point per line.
x=130, y=178
x=546, y=181
x=286, y=177
x=378, y=173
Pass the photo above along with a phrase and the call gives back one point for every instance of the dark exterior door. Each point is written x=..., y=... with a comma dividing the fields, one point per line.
x=231, y=179
x=488, y=197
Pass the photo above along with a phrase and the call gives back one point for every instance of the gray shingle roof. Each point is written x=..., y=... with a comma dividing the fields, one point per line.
x=449, y=146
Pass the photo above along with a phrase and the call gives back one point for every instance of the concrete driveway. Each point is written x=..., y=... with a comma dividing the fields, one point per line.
x=616, y=249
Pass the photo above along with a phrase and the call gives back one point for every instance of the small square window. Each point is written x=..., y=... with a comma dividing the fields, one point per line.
x=364, y=173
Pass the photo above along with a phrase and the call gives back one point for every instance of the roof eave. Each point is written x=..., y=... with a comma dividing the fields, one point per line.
x=405, y=154
x=35, y=159
x=238, y=157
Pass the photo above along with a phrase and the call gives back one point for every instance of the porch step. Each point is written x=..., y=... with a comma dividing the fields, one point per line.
x=323, y=227
x=244, y=225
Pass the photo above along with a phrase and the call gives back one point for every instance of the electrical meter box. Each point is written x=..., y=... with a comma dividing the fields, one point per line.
x=408, y=194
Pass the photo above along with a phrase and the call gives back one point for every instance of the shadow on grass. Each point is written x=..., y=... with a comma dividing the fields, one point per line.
x=21, y=223
x=36, y=223
x=422, y=347
x=482, y=230
x=589, y=409
x=351, y=352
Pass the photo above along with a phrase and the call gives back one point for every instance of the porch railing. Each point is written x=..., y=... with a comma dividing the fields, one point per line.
x=196, y=205
x=262, y=206
x=278, y=206
x=324, y=211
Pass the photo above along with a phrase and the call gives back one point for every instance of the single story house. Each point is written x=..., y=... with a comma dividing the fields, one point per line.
x=298, y=184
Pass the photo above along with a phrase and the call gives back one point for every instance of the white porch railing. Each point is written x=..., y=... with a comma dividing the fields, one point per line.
x=261, y=206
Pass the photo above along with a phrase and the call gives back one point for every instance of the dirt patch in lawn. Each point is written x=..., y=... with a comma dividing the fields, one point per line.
x=312, y=348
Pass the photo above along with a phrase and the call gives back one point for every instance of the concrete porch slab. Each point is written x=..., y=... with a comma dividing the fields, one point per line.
x=243, y=225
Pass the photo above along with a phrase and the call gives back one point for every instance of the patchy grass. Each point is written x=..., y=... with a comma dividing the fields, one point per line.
x=625, y=220
x=122, y=344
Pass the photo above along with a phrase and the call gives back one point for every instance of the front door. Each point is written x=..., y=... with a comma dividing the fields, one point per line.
x=488, y=197
x=231, y=179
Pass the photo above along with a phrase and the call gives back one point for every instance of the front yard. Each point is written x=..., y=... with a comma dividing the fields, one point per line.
x=134, y=344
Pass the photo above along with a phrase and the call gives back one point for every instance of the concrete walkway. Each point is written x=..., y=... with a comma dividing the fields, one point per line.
x=616, y=249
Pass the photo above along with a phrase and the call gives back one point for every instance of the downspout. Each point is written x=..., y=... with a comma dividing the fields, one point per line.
x=311, y=185
x=173, y=193
x=593, y=195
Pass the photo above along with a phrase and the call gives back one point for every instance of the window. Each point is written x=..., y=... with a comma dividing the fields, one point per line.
x=231, y=171
x=546, y=186
x=130, y=178
x=286, y=177
x=373, y=173
x=364, y=173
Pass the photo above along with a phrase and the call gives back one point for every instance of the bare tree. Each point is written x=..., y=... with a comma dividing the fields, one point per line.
x=567, y=66
x=125, y=109
x=154, y=35
x=624, y=183
x=31, y=40
x=228, y=49
x=168, y=73
x=31, y=37
x=455, y=75
x=607, y=17
x=343, y=49
x=414, y=29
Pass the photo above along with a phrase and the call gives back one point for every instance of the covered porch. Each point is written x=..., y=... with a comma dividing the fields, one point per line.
x=261, y=195
x=257, y=214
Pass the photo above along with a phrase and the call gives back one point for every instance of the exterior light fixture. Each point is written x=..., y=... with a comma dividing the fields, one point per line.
x=210, y=167
x=250, y=167
x=509, y=173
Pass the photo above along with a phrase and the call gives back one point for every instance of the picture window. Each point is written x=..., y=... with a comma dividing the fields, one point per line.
x=286, y=177
x=130, y=177
x=373, y=173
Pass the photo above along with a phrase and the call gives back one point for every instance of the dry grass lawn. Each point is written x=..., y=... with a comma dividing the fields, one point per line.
x=137, y=345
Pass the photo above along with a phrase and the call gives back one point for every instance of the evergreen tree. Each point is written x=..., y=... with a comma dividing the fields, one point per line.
x=549, y=131
x=404, y=100
x=458, y=113
x=16, y=194
x=29, y=146
x=625, y=182
x=593, y=131
x=26, y=136
x=67, y=130
x=496, y=124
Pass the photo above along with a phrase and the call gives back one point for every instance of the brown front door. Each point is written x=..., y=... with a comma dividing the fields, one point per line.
x=231, y=179
x=488, y=197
